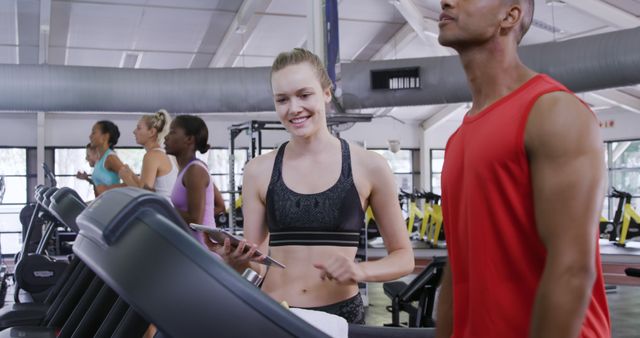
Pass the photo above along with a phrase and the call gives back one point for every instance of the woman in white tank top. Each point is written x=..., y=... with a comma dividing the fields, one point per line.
x=159, y=171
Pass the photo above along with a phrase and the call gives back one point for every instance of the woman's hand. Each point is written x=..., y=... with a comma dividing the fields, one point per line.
x=236, y=257
x=99, y=189
x=125, y=173
x=82, y=175
x=342, y=269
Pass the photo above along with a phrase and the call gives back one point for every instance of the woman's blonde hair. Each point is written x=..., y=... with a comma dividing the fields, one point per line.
x=159, y=121
x=298, y=56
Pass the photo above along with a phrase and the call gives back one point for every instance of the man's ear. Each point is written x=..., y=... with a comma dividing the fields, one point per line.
x=512, y=17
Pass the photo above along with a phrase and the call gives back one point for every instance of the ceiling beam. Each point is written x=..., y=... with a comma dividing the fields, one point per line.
x=238, y=33
x=425, y=28
x=605, y=12
x=443, y=115
x=377, y=42
x=414, y=18
x=400, y=40
x=59, y=33
x=618, y=98
x=45, y=28
x=28, y=15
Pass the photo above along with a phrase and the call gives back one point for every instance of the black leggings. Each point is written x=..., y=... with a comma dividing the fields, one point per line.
x=351, y=309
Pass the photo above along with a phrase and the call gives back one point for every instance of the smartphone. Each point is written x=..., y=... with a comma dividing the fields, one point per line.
x=219, y=235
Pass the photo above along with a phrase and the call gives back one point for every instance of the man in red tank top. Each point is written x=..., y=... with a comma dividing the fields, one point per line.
x=522, y=188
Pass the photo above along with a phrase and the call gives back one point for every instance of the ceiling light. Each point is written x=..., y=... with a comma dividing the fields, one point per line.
x=557, y=3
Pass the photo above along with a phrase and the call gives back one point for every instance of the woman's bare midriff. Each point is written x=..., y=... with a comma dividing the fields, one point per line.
x=300, y=284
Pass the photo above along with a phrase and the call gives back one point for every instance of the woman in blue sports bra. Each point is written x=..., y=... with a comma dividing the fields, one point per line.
x=305, y=202
x=104, y=136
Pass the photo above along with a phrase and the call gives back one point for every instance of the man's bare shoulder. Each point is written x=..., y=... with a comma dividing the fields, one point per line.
x=559, y=121
x=561, y=105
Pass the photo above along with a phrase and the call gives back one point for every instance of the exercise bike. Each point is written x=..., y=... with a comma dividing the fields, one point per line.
x=415, y=214
x=626, y=221
x=432, y=230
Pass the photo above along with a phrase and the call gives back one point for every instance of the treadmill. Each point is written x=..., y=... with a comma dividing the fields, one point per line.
x=141, y=248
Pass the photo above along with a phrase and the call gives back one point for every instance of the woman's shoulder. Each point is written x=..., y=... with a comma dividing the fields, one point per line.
x=155, y=154
x=197, y=167
x=368, y=158
x=261, y=162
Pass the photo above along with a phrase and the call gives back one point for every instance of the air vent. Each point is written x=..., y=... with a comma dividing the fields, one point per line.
x=396, y=79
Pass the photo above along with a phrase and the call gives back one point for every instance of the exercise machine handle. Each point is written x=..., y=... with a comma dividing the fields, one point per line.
x=632, y=272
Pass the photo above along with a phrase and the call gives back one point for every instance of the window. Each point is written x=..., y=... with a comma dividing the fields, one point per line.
x=623, y=159
x=218, y=162
x=623, y=163
x=402, y=164
x=13, y=166
x=68, y=161
x=437, y=160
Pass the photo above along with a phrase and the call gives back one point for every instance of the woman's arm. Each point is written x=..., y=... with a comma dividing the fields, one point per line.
x=384, y=202
x=218, y=201
x=147, y=178
x=196, y=180
x=112, y=163
x=255, y=229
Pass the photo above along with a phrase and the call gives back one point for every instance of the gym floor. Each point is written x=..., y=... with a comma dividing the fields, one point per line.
x=624, y=307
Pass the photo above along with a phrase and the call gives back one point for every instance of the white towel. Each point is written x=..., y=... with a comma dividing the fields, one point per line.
x=332, y=325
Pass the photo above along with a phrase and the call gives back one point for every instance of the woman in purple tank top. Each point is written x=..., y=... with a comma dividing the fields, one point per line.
x=192, y=194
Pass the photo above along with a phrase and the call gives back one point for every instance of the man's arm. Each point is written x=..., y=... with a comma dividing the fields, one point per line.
x=567, y=172
x=444, y=310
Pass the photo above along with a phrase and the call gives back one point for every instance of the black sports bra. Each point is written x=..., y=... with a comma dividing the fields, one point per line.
x=333, y=217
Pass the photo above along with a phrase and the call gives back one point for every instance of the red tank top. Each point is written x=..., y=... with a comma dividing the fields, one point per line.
x=495, y=253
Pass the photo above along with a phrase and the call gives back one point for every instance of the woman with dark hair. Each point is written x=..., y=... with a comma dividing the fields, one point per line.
x=104, y=136
x=92, y=156
x=192, y=194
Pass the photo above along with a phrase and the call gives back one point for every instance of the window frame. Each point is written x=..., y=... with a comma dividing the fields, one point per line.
x=28, y=175
x=611, y=170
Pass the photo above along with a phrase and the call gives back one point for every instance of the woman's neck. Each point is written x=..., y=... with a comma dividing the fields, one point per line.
x=102, y=149
x=151, y=145
x=184, y=158
x=312, y=144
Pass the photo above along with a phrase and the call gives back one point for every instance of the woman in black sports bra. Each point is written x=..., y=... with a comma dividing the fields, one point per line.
x=305, y=202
